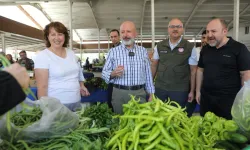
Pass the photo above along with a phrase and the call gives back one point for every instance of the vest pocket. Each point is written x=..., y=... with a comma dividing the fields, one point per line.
x=182, y=73
x=161, y=70
x=162, y=67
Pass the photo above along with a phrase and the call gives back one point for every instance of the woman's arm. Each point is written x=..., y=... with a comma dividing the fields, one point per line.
x=42, y=76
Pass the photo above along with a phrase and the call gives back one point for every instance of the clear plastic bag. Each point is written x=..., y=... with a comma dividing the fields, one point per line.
x=56, y=121
x=241, y=109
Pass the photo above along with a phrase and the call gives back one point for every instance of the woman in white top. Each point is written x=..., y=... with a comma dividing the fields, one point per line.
x=57, y=72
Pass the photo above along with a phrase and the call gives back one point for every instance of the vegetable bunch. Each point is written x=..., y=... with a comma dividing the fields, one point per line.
x=23, y=118
x=220, y=132
x=96, y=82
x=82, y=138
x=100, y=113
x=165, y=126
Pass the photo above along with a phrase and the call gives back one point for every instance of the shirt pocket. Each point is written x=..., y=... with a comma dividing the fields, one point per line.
x=122, y=61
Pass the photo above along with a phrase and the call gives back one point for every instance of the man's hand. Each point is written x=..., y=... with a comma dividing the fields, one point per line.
x=150, y=97
x=20, y=74
x=118, y=72
x=198, y=97
x=190, y=96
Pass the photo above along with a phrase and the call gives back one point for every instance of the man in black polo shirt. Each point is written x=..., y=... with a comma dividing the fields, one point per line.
x=223, y=67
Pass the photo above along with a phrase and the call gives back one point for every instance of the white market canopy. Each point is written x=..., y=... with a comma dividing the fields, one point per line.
x=93, y=19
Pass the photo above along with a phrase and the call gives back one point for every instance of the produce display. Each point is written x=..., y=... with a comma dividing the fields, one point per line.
x=42, y=119
x=100, y=114
x=87, y=136
x=154, y=125
x=165, y=126
x=96, y=82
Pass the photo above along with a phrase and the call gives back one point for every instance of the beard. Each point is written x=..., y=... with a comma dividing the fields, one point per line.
x=129, y=41
x=203, y=43
x=214, y=43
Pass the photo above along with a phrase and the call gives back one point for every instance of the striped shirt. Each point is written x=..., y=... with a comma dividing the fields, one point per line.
x=137, y=69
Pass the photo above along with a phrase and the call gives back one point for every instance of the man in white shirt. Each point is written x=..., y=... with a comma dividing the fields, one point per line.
x=128, y=68
x=203, y=43
x=192, y=104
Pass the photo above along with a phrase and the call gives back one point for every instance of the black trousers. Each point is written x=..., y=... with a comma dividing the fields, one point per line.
x=190, y=107
x=180, y=97
x=218, y=103
x=110, y=91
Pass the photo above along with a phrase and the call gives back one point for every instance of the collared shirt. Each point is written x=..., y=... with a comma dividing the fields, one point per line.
x=27, y=63
x=116, y=44
x=136, y=68
x=172, y=46
x=192, y=59
x=222, y=67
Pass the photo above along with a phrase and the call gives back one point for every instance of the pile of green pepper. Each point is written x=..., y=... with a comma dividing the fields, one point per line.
x=165, y=126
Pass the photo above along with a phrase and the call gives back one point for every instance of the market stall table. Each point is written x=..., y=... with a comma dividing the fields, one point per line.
x=88, y=75
x=98, y=95
x=97, y=68
x=34, y=90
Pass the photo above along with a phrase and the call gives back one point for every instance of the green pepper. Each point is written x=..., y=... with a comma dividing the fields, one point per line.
x=218, y=126
x=196, y=119
x=211, y=117
x=230, y=125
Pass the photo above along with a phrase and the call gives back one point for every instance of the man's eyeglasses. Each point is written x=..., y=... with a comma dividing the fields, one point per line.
x=175, y=26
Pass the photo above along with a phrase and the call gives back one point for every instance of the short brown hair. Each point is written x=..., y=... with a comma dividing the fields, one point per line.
x=115, y=30
x=222, y=21
x=23, y=51
x=60, y=28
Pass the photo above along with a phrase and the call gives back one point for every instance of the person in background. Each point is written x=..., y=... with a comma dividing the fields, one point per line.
x=26, y=62
x=223, y=67
x=191, y=105
x=93, y=61
x=203, y=43
x=87, y=64
x=97, y=61
x=9, y=57
x=13, y=79
x=114, y=35
x=128, y=68
x=79, y=61
x=57, y=72
x=175, y=63
x=3, y=54
x=104, y=59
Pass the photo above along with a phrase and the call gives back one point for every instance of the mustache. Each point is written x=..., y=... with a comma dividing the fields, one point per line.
x=210, y=37
x=126, y=38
